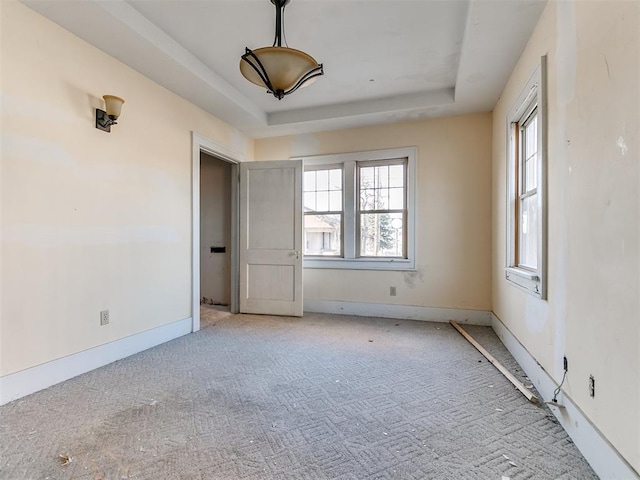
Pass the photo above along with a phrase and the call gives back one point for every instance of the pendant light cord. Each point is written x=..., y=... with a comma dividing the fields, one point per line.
x=280, y=35
x=284, y=35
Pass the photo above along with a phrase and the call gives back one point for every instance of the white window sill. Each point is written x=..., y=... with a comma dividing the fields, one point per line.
x=524, y=279
x=398, y=264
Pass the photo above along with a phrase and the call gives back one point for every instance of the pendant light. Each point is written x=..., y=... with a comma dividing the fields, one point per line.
x=281, y=70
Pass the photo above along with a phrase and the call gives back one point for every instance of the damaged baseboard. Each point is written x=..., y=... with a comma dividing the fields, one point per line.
x=603, y=457
x=19, y=384
x=405, y=312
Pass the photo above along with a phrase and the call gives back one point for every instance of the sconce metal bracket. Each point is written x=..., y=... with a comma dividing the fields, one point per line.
x=103, y=122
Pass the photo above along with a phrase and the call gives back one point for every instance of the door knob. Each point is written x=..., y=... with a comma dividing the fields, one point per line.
x=297, y=254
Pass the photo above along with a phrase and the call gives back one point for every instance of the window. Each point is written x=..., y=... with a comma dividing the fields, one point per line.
x=323, y=211
x=527, y=192
x=526, y=253
x=359, y=210
x=381, y=214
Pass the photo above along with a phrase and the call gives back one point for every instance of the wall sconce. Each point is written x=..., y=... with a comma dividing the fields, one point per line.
x=104, y=120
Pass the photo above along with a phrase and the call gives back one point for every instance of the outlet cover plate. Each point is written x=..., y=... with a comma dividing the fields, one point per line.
x=104, y=317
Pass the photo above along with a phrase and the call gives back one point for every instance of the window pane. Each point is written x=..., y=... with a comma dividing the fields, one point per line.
x=382, y=176
x=531, y=173
x=367, y=199
x=381, y=235
x=531, y=134
x=309, y=181
x=335, y=201
x=529, y=157
x=382, y=187
x=322, y=235
x=528, y=247
x=322, y=201
x=309, y=201
x=382, y=199
x=323, y=190
x=322, y=180
x=366, y=177
x=396, y=198
x=335, y=179
x=396, y=176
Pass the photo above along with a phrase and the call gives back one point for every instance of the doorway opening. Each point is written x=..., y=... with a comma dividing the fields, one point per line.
x=215, y=264
x=215, y=239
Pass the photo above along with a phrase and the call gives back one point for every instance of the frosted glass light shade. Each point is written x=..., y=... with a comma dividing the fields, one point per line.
x=113, y=105
x=284, y=67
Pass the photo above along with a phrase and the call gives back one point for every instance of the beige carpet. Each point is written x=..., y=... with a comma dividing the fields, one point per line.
x=322, y=397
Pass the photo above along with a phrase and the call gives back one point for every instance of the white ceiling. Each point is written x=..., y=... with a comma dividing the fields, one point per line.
x=384, y=61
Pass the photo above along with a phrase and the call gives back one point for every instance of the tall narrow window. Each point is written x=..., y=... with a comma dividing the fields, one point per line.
x=323, y=211
x=528, y=215
x=526, y=221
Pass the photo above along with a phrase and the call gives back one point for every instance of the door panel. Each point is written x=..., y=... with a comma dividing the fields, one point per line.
x=271, y=282
x=271, y=207
x=271, y=238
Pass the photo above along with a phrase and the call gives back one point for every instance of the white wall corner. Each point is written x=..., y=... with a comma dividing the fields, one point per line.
x=603, y=457
x=31, y=380
x=405, y=312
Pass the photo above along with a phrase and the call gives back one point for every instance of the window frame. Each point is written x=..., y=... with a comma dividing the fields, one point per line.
x=360, y=212
x=350, y=242
x=533, y=98
x=523, y=192
x=327, y=167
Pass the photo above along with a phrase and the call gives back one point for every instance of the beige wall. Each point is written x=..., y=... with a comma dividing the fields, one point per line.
x=215, y=229
x=592, y=314
x=453, y=212
x=90, y=220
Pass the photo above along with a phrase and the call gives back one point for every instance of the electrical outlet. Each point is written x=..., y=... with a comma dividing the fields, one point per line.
x=104, y=317
x=392, y=291
x=592, y=386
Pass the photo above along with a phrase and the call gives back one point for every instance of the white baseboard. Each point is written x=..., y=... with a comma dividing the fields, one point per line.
x=30, y=380
x=406, y=312
x=605, y=460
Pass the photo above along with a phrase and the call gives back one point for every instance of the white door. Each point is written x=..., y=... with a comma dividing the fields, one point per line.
x=271, y=237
